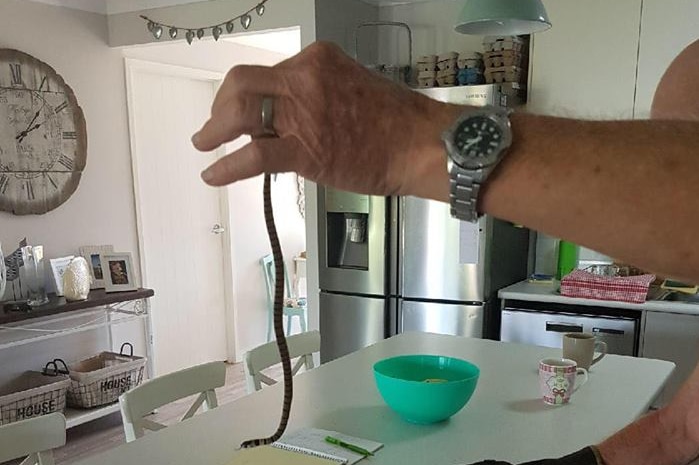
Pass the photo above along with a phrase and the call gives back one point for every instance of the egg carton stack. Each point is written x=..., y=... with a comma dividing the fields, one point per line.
x=450, y=69
x=437, y=70
x=470, y=69
x=427, y=71
x=503, y=59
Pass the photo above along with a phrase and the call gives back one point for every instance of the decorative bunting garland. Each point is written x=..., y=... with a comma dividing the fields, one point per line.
x=157, y=28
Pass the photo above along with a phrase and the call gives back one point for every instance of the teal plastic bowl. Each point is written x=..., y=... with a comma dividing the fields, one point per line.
x=425, y=388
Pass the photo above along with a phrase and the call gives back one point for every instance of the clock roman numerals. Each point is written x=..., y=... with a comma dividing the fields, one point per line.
x=16, y=74
x=29, y=187
x=52, y=181
x=42, y=135
x=4, y=182
x=67, y=162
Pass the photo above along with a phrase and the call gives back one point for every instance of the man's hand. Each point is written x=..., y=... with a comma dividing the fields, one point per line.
x=338, y=124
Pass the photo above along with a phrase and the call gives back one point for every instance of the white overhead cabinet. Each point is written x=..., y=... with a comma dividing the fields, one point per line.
x=603, y=60
x=585, y=65
x=667, y=27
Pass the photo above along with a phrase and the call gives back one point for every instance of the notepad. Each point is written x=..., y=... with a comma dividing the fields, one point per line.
x=311, y=441
x=268, y=455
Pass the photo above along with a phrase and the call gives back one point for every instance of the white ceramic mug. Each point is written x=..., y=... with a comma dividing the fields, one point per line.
x=581, y=347
x=558, y=379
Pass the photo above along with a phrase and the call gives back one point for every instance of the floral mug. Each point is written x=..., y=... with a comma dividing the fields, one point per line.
x=558, y=379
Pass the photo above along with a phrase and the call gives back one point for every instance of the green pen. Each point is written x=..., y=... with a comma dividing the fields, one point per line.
x=348, y=446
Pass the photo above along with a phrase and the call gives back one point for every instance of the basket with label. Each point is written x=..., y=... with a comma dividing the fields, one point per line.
x=101, y=379
x=32, y=394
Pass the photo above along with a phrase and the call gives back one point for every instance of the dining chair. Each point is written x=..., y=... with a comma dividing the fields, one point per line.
x=142, y=400
x=293, y=307
x=301, y=346
x=34, y=439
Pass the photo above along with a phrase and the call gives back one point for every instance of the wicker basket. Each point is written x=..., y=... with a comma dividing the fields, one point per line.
x=31, y=395
x=101, y=379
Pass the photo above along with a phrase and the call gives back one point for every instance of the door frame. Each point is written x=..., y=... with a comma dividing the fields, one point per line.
x=132, y=67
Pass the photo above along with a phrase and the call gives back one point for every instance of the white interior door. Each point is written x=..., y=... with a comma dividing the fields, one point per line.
x=183, y=253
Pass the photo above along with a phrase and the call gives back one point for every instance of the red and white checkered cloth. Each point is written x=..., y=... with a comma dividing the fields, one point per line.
x=583, y=284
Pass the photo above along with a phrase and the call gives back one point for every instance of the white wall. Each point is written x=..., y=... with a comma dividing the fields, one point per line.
x=101, y=211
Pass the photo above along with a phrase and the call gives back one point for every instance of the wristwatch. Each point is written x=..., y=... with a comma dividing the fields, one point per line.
x=475, y=143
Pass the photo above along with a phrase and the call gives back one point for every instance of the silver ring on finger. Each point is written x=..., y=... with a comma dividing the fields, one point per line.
x=268, y=117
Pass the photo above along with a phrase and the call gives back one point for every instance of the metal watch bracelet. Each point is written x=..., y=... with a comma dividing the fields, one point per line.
x=463, y=194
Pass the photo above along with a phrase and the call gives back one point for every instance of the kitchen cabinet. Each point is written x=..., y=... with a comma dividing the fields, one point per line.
x=675, y=338
x=667, y=27
x=585, y=65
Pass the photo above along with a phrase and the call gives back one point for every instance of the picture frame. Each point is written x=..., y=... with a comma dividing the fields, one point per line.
x=58, y=268
x=92, y=254
x=118, y=272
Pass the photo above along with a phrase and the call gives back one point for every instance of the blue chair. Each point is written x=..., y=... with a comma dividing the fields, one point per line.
x=293, y=307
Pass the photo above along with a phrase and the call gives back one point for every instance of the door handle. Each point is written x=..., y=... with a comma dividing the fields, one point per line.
x=563, y=327
x=218, y=229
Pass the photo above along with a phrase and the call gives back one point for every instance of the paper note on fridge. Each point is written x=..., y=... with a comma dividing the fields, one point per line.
x=468, y=242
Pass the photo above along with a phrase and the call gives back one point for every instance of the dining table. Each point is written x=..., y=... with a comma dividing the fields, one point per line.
x=505, y=419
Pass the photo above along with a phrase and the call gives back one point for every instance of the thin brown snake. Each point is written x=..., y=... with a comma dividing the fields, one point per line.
x=278, y=296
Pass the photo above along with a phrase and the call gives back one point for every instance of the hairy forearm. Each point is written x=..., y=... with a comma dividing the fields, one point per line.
x=659, y=438
x=629, y=189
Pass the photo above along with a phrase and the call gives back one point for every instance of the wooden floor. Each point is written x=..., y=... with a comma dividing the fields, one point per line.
x=105, y=433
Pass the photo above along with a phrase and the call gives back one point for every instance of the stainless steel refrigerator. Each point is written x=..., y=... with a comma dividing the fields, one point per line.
x=394, y=264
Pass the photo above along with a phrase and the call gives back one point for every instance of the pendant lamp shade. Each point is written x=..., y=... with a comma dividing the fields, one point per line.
x=502, y=17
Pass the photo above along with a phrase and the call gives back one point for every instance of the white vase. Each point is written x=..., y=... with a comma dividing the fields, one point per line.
x=77, y=280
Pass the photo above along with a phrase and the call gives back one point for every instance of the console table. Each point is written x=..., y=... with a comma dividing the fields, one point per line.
x=59, y=318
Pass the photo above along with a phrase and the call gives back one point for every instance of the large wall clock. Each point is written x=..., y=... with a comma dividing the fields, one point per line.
x=43, y=139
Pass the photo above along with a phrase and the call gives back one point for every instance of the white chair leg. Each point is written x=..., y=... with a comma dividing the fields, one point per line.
x=45, y=458
x=288, y=325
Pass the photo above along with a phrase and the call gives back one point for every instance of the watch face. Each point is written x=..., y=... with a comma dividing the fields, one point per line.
x=43, y=141
x=478, y=142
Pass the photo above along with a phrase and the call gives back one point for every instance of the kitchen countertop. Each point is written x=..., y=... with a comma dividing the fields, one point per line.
x=540, y=292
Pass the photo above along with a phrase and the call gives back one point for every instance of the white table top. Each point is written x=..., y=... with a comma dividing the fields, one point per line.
x=505, y=419
x=542, y=292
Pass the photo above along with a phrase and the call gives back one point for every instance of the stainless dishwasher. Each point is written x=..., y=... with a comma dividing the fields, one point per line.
x=544, y=324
